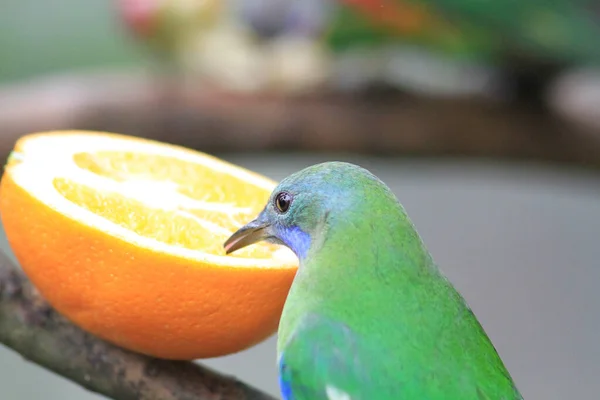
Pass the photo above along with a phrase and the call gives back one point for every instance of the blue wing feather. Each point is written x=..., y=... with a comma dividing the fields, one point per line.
x=324, y=353
x=285, y=386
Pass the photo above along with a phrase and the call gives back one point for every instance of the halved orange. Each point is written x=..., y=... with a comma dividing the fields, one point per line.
x=124, y=237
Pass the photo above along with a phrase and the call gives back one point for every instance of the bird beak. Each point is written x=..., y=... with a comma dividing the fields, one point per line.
x=252, y=232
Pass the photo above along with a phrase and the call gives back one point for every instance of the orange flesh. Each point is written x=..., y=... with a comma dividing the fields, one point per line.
x=157, y=301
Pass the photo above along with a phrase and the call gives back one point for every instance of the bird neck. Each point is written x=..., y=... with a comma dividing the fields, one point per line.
x=365, y=248
x=366, y=258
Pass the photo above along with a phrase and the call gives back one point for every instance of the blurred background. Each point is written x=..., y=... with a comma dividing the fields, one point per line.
x=483, y=118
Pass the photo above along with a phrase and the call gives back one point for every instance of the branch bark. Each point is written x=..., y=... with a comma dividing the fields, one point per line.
x=31, y=327
x=208, y=120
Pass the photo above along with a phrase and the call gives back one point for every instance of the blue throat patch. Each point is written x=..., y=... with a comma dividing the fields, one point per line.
x=296, y=239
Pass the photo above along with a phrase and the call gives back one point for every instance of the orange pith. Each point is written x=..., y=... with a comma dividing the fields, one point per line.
x=124, y=237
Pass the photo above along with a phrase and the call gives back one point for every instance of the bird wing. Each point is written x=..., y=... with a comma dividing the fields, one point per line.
x=325, y=360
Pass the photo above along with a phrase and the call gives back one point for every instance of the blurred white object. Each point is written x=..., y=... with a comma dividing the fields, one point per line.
x=297, y=64
x=428, y=73
x=230, y=57
x=575, y=95
x=225, y=56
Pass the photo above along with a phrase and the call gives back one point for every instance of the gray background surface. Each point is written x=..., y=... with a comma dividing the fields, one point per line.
x=521, y=242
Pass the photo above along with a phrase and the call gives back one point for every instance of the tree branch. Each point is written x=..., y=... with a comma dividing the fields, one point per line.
x=212, y=121
x=32, y=328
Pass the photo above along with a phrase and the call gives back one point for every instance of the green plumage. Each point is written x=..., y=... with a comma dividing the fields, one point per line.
x=369, y=315
x=557, y=31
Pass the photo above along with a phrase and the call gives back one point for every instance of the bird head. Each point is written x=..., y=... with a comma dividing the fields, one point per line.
x=301, y=207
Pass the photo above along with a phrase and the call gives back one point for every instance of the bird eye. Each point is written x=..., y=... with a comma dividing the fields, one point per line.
x=283, y=201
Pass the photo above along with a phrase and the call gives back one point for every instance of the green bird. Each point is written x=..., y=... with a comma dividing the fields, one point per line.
x=369, y=315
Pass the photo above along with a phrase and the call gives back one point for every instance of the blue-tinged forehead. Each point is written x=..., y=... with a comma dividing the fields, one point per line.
x=333, y=176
